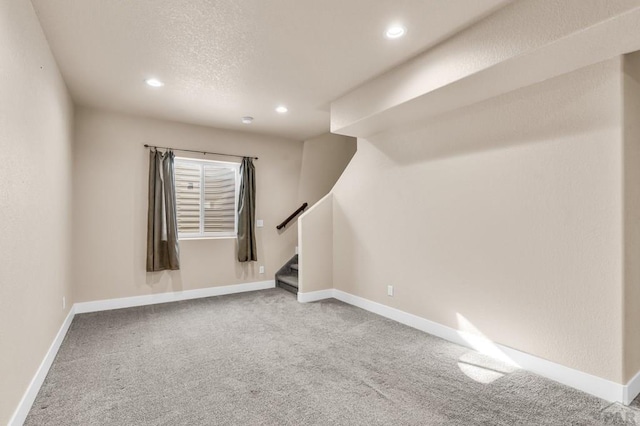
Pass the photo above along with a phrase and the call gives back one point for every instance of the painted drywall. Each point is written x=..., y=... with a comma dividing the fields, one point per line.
x=631, y=93
x=503, y=218
x=315, y=260
x=521, y=44
x=223, y=59
x=324, y=158
x=35, y=200
x=110, y=187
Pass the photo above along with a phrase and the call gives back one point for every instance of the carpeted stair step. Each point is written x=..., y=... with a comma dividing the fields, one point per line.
x=291, y=280
x=287, y=282
x=287, y=276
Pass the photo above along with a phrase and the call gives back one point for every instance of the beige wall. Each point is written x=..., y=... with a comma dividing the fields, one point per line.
x=632, y=214
x=315, y=260
x=521, y=44
x=110, y=188
x=35, y=200
x=503, y=218
x=324, y=159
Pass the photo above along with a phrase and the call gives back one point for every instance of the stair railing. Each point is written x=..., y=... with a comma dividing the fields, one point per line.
x=292, y=216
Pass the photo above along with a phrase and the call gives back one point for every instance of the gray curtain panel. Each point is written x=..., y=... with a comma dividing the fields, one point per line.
x=162, y=225
x=247, y=251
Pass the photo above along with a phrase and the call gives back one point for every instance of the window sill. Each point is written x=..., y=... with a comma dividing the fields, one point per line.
x=206, y=238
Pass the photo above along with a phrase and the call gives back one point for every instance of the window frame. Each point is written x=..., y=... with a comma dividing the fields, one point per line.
x=210, y=235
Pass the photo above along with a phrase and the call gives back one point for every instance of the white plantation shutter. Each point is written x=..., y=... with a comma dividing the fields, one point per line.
x=219, y=199
x=188, y=177
x=206, y=197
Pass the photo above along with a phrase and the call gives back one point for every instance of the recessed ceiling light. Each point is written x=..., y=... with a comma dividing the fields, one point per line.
x=282, y=109
x=154, y=82
x=395, y=31
x=247, y=120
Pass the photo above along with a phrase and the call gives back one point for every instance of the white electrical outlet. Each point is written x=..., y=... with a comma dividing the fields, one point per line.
x=259, y=223
x=261, y=269
x=64, y=302
x=389, y=290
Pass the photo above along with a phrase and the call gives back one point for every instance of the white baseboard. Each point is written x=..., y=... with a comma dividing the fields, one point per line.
x=597, y=386
x=631, y=389
x=313, y=296
x=30, y=394
x=152, y=299
x=21, y=412
x=593, y=385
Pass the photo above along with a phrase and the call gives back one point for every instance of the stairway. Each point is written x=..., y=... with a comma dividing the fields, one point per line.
x=287, y=276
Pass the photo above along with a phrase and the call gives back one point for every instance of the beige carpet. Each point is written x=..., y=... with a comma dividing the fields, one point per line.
x=262, y=358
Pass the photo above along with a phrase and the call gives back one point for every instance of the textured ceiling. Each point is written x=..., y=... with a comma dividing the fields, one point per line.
x=224, y=59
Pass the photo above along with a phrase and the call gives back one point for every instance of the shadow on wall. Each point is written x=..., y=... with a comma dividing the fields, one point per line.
x=506, y=211
x=357, y=252
x=567, y=105
x=155, y=281
x=163, y=281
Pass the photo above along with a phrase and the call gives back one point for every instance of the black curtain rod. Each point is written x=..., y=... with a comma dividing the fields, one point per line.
x=199, y=152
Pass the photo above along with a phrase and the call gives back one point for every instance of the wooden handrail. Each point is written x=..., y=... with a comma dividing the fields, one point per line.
x=293, y=215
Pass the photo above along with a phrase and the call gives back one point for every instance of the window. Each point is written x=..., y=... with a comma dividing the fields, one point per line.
x=206, y=198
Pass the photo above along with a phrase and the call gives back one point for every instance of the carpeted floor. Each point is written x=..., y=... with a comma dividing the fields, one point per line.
x=262, y=358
